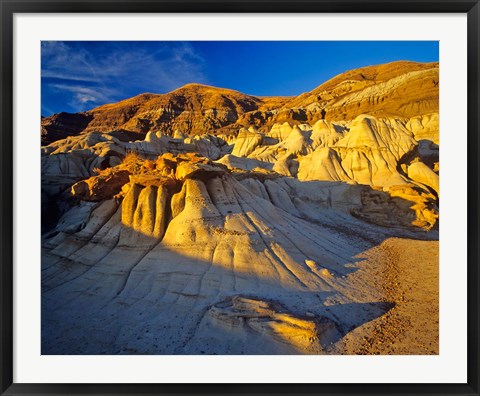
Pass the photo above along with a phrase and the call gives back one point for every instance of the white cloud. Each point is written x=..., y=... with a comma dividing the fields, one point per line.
x=84, y=97
x=94, y=77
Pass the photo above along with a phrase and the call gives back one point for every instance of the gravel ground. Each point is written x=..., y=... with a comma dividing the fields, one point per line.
x=406, y=272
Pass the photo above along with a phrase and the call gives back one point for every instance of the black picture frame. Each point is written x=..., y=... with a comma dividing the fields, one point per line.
x=7, y=200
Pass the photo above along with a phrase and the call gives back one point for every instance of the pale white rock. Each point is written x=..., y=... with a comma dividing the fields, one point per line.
x=224, y=241
x=326, y=134
x=256, y=253
x=371, y=132
x=298, y=142
x=280, y=131
x=156, y=143
x=246, y=142
x=424, y=127
x=285, y=165
x=421, y=173
x=233, y=162
x=322, y=164
x=75, y=158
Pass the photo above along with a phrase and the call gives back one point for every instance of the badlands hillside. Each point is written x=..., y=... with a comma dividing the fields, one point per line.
x=207, y=221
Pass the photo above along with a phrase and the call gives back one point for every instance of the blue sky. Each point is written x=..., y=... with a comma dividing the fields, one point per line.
x=80, y=75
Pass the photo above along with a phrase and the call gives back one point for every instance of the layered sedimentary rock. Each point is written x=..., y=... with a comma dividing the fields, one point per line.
x=405, y=89
x=209, y=221
x=203, y=253
x=62, y=125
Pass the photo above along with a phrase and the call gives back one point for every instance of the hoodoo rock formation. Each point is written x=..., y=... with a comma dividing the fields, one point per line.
x=405, y=89
x=209, y=221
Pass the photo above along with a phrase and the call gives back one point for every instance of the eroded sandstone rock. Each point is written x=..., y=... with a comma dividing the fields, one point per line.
x=103, y=186
x=211, y=221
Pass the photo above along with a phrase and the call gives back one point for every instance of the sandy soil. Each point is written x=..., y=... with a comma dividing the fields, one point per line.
x=406, y=272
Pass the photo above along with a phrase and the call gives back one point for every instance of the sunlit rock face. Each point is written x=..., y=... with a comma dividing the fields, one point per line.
x=403, y=89
x=209, y=221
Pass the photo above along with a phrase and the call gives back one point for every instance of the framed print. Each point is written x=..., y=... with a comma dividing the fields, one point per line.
x=238, y=198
